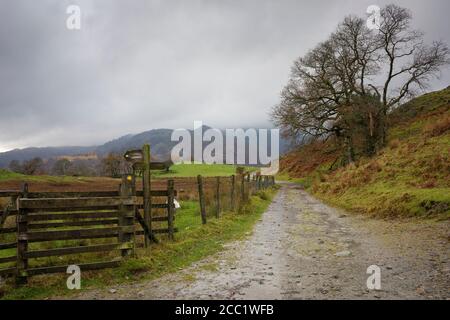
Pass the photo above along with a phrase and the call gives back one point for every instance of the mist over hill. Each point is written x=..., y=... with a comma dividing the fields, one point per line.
x=159, y=139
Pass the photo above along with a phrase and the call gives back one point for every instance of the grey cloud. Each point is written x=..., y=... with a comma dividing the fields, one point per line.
x=138, y=64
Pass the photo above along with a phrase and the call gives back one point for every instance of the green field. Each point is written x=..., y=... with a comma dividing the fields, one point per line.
x=176, y=171
x=6, y=175
x=206, y=170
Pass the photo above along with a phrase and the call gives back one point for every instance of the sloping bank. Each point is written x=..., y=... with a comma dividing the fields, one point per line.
x=410, y=177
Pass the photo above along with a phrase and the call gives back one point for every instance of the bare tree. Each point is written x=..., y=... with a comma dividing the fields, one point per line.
x=61, y=167
x=33, y=166
x=409, y=61
x=112, y=164
x=354, y=71
x=325, y=82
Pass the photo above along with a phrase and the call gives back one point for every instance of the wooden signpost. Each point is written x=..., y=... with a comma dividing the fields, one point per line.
x=141, y=161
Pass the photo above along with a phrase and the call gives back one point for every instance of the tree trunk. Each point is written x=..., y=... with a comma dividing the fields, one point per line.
x=350, y=152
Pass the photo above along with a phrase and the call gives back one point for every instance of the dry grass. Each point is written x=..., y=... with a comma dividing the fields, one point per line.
x=438, y=128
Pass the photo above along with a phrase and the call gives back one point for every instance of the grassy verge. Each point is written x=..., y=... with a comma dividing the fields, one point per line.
x=409, y=178
x=193, y=242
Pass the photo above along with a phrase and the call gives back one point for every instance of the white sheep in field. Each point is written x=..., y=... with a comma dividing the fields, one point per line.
x=177, y=204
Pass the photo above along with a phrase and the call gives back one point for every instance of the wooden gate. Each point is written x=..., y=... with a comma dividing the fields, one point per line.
x=142, y=166
x=50, y=226
x=148, y=230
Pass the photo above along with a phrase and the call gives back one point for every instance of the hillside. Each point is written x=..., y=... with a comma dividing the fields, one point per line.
x=409, y=177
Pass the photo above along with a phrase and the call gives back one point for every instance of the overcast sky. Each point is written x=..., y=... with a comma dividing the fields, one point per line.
x=139, y=65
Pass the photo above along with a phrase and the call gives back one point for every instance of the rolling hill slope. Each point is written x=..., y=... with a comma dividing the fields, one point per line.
x=409, y=177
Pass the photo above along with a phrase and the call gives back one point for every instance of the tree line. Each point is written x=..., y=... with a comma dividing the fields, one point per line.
x=345, y=87
x=111, y=165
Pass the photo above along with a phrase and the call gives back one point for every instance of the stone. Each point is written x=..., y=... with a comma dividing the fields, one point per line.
x=344, y=253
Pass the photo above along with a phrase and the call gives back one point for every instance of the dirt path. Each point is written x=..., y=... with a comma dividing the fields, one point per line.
x=303, y=249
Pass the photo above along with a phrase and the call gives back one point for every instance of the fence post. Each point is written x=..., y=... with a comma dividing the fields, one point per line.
x=170, y=207
x=146, y=191
x=126, y=218
x=233, y=185
x=217, y=197
x=243, y=188
x=22, y=242
x=201, y=198
x=133, y=184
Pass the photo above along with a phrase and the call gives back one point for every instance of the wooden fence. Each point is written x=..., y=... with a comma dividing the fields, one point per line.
x=52, y=225
x=222, y=194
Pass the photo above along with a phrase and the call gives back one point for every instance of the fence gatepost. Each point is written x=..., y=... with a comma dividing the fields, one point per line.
x=170, y=207
x=233, y=185
x=22, y=240
x=126, y=218
x=201, y=198
x=147, y=192
x=217, y=197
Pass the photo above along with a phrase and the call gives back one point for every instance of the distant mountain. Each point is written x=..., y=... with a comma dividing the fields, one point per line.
x=159, y=139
